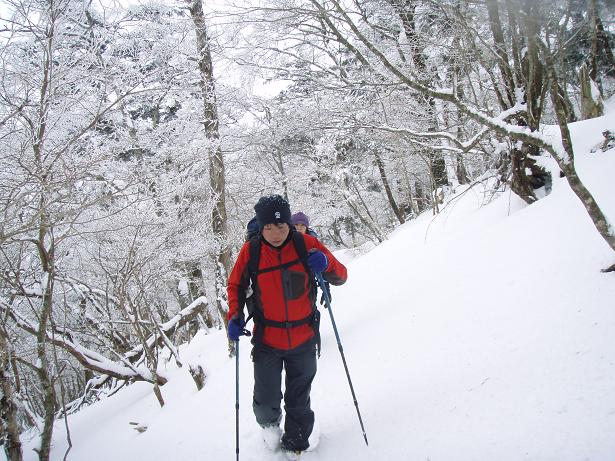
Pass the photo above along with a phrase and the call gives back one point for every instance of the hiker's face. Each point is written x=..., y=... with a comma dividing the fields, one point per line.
x=301, y=228
x=276, y=234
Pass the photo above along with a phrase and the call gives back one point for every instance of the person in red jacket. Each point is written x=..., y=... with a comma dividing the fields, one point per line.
x=285, y=319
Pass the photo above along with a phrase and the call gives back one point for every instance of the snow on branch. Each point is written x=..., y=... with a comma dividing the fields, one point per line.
x=124, y=369
x=180, y=319
x=462, y=146
x=496, y=124
x=81, y=288
x=90, y=359
x=160, y=337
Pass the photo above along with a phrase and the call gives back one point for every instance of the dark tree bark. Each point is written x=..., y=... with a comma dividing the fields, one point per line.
x=591, y=99
x=456, y=70
x=46, y=246
x=406, y=9
x=604, y=43
x=222, y=260
x=593, y=40
x=567, y=165
x=9, y=427
x=461, y=171
x=42, y=367
x=529, y=75
x=534, y=75
x=438, y=170
x=421, y=200
x=387, y=188
x=502, y=54
x=590, y=108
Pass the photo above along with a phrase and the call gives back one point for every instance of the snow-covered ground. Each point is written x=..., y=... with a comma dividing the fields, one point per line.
x=487, y=333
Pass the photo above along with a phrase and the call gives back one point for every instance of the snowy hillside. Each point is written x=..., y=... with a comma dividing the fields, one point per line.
x=487, y=333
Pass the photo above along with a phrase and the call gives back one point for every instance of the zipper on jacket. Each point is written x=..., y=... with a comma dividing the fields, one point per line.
x=285, y=292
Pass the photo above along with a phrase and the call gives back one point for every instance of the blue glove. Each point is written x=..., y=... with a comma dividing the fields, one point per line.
x=317, y=261
x=236, y=329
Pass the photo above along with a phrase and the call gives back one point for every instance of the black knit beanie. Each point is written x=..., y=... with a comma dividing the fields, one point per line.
x=272, y=209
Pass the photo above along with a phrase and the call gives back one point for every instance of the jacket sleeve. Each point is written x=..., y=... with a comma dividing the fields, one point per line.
x=238, y=283
x=336, y=273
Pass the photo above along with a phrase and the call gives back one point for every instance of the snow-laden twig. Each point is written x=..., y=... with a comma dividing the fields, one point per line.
x=90, y=359
x=411, y=136
x=497, y=124
x=177, y=321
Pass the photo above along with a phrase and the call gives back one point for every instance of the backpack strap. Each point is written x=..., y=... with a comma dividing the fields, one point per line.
x=253, y=261
x=301, y=249
x=255, y=256
x=299, y=242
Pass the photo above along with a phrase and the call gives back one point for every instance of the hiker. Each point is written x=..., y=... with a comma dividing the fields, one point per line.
x=302, y=224
x=301, y=221
x=279, y=263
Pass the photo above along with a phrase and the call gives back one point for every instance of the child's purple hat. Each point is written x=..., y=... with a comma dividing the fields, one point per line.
x=300, y=218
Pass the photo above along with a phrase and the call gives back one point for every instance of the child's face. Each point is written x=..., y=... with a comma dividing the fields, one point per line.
x=276, y=234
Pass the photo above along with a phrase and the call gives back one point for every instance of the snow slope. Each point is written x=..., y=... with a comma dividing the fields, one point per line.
x=487, y=333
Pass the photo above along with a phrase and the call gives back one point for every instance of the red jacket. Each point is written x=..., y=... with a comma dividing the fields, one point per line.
x=277, y=305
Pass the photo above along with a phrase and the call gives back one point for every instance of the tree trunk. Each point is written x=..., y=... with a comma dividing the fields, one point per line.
x=387, y=187
x=526, y=175
x=593, y=40
x=406, y=11
x=410, y=206
x=501, y=52
x=438, y=169
x=606, y=46
x=516, y=47
x=534, y=72
x=196, y=289
x=591, y=98
x=9, y=430
x=279, y=159
x=520, y=183
x=591, y=103
x=461, y=171
x=366, y=218
x=42, y=368
x=604, y=228
x=46, y=255
x=421, y=201
x=593, y=209
x=222, y=259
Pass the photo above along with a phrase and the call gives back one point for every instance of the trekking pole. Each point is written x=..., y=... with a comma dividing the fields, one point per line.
x=325, y=293
x=237, y=398
x=243, y=333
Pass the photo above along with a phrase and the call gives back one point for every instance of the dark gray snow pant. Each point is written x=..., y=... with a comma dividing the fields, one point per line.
x=300, y=367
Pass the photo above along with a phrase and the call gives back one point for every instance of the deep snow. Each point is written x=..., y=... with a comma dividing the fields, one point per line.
x=487, y=333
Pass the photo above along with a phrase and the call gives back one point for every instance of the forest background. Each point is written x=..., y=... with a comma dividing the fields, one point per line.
x=136, y=139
